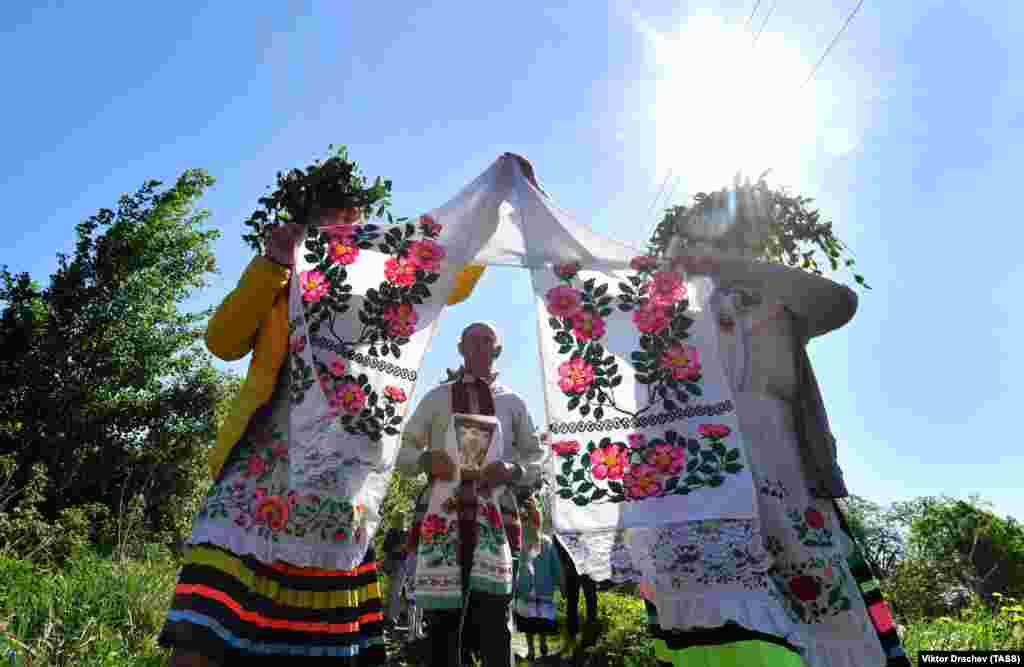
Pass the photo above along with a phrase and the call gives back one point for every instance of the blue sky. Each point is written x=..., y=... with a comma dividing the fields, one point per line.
x=908, y=138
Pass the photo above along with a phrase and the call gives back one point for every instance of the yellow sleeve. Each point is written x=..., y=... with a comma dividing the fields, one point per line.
x=231, y=331
x=465, y=281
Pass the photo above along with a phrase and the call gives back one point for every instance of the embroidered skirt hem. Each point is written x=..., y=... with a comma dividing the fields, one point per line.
x=235, y=608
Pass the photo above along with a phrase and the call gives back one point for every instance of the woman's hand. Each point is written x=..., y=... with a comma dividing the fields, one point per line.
x=280, y=243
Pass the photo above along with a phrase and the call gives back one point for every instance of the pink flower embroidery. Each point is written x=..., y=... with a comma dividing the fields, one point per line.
x=492, y=515
x=587, y=326
x=351, y=398
x=643, y=481
x=338, y=368
x=568, y=270
x=805, y=587
x=611, y=462
x=272, y=510
x=396, y=394
x=297, y=344
x=340, y=535
x=829, y=573
x=280, y=449
x=426, y=255
x=667, y=289
x=716, y=431
x=637, y=440
x=650, y=318
x=433, y=525
x=342, y=252
x=314, y=286
x=432, y=227
x=255, y=466
x=667, y=459
x=575, y=376
x=643, y=263
x=400, y=272
x=563, y=301
x=683, y=361
x=402, y=319
x=814, y=518
x=566, y=447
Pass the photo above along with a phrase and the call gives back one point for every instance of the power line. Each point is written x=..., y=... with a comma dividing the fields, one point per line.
x=833, y=42
x=752, y=12
x=765, y=22
x=660, y=192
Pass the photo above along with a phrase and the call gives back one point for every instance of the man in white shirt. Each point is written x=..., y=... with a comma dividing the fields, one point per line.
x=423, y=443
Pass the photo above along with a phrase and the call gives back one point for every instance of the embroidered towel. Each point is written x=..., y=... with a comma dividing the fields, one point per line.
x=450, y=553
x=642, y=421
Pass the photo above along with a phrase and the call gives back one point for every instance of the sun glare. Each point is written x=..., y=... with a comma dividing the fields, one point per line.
x=724, y=105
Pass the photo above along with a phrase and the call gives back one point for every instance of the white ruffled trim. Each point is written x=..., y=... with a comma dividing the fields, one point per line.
x=691, y=612
x=344, y=557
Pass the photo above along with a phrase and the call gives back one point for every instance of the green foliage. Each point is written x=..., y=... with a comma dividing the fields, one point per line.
x=772, y=224
x=977, y=628
x=93, y=612
x=875, y=532
x=106, y=393
x=303, y=194
x=985, y=552
x=397, y=509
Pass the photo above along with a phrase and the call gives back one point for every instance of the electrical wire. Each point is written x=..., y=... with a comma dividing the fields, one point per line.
x=835, y=39
x=752, y=12
x=765, y=22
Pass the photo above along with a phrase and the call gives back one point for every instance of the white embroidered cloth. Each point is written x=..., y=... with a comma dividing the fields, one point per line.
x=642, y=420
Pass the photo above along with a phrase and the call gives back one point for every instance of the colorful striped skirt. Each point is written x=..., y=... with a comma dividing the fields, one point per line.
x=233, y=608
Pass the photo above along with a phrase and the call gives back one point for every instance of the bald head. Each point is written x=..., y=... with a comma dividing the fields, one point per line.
x=479, y=346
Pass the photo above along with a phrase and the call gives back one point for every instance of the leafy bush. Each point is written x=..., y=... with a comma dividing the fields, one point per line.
x=103, y=382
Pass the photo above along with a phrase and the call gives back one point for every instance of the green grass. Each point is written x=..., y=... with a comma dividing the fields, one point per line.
x=96, y=612
x=104, y=612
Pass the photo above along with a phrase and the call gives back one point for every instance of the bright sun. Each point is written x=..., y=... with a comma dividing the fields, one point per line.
x=723, y=105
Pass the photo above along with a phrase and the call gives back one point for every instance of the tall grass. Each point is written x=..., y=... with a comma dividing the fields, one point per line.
x=95, y=612
x=100, y=611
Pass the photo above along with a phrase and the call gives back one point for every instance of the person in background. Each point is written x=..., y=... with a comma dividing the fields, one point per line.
x=395, y=568
x=252, y=588
x=538, y=579
x=573, y=583
x=485, y=619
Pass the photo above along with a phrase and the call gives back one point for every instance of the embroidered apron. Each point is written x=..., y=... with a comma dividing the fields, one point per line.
x=463, y=544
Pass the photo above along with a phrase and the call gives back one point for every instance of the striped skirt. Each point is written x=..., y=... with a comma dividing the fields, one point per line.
x=234, y=609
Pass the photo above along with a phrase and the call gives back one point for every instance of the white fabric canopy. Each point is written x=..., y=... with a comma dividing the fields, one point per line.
x=501, y=218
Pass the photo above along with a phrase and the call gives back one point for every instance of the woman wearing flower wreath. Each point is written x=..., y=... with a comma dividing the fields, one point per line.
x=236, y=600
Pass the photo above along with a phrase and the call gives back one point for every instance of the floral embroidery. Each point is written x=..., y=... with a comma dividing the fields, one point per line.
x=618, y=472
x=810, y=527
x=271, y=512
x=492, y=534
x=774, y=488
x=718, y=551
x=812, y=590
x=669, y=367
x=439, y=541
x=388, y=316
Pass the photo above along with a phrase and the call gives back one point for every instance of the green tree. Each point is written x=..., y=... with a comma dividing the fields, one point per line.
x=983, y=551
x=105, y=386
x=877, y=535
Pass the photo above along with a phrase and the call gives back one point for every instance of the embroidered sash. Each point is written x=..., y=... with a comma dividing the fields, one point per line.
x=464, y=537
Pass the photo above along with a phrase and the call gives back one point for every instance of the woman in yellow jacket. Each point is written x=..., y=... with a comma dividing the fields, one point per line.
x=258, y=582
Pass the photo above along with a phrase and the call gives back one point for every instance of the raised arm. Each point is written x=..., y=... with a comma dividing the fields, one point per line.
x=231, y=331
